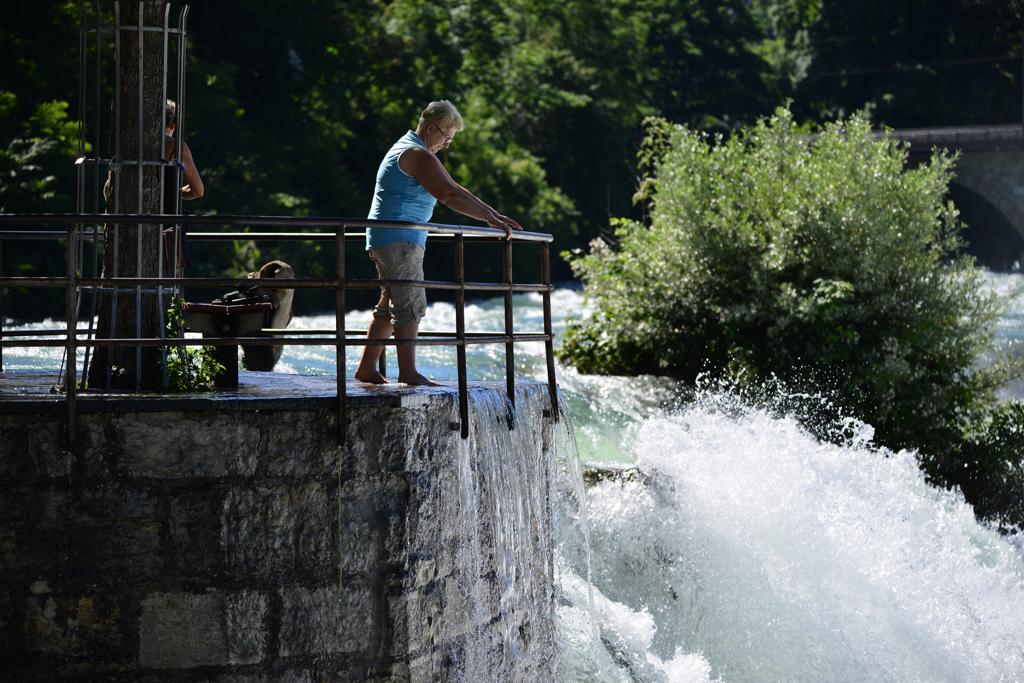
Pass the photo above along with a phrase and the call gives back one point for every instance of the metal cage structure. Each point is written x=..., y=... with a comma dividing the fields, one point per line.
x=120, y=34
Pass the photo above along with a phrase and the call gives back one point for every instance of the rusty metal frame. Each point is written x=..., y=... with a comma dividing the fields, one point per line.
x=74, y=283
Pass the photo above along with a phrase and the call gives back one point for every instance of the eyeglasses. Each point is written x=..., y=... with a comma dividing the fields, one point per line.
x=447, y=140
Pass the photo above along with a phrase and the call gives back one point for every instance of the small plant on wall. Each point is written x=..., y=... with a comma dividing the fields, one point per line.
x=189, y=368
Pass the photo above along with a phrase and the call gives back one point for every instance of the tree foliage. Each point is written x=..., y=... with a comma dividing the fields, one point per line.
x=292, y=103
x=819, y=262
x=914, y=63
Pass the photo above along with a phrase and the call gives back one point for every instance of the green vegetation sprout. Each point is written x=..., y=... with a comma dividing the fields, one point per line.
x=189, y=368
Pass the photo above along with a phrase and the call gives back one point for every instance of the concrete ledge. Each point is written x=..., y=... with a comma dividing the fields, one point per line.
x=32, y=392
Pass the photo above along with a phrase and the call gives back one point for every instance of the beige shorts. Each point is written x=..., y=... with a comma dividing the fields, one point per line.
x=400, y=261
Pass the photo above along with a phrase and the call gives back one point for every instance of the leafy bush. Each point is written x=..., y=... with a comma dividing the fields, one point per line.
x=188, y=368
x=823, y=263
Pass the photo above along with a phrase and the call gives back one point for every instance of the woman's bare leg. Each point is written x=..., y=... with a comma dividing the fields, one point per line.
x=407, y=373
x=380, y=328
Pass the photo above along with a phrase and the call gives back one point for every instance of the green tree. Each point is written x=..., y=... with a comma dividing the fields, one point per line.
x=913, y=63
x=820, y=264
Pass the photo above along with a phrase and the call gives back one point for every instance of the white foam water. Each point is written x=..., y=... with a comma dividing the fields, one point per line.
x=749, y=551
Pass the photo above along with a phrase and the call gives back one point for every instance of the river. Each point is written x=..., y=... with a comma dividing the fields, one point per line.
x=741, y=549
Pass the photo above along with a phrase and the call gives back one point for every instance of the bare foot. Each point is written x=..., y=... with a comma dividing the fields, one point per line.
x=372, y=377
x=417, y=379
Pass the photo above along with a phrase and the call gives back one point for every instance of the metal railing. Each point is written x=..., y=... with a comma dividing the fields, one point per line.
x=75, y=284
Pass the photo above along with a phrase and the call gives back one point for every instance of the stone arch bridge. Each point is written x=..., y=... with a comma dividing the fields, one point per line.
x=988, y=187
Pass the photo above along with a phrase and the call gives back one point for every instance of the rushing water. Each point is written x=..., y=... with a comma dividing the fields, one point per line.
x=741, y=549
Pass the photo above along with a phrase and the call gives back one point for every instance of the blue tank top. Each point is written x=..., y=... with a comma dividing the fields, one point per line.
x=398, y=196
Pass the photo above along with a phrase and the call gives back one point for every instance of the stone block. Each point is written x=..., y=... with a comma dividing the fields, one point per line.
x=172, y=445
x=112, y=552
x=6, y=618
x=396, y=626
x=24, y=551
x=196, y=525
x=32, y=449
x=297, y=444
x=358, y=549
x=110, y=500
x=63, y=626
x=269, y=530
x=245, y=616
x=329, y=620
x=425, y=613
x=373, y=523
x=189, y=630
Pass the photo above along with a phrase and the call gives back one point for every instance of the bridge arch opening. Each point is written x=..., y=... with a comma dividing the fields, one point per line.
x=991, y=238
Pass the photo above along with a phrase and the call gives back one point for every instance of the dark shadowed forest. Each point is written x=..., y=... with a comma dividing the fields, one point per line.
x=291, y=104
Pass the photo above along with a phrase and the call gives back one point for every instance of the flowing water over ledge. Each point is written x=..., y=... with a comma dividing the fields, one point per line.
x=742, y=549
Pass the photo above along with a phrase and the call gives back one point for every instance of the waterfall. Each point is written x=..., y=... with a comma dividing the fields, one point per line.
x=499, y=496
x=742, y=549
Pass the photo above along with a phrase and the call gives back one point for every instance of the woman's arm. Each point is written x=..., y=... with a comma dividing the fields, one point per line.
x=194, y=189
x=432, y=175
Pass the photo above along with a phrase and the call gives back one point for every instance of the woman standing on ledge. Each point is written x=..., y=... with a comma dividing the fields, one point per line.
x=410, y=181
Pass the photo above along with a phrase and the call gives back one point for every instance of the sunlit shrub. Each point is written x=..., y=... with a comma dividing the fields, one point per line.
x=822, y=262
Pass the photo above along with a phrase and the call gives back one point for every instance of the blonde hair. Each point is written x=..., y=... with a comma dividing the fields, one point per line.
x=442, y=113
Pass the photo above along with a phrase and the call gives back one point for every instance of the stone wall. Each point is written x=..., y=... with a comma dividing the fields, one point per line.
x=228, y=543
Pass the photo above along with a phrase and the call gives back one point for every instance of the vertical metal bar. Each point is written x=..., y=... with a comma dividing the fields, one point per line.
x=96, y=178
x=339, y=329
x=96, y=105
x=163, y=120
x=460, y=333
x=1, y=304
x=70, y=287
x=510, y=347
x=82, y=52
x=117, y=186
x=79, y=254
x=549, y=343
x=180, y=129
x=117, y=110
x=138, y=227
x=160, y=227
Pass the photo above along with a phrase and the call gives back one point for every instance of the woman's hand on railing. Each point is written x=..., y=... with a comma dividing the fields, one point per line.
x=502, y=222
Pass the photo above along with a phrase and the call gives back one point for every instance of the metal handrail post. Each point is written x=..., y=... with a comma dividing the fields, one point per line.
x=1, y=303
x=549, y=343
x=71, y=303
x=460, y=333
x=510, y=353
x=339, y=326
